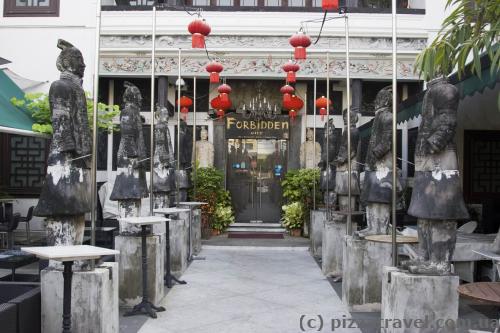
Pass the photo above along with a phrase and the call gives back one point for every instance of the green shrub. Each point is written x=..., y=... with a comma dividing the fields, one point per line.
x=223, y=217
x=293, y=215
x=301, y=186
x=210, y=189
x=37, y=104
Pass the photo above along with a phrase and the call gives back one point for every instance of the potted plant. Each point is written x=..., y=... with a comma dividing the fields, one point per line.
x=293, y=218
x=223, y=217
x=210, y=189
x=302, y=186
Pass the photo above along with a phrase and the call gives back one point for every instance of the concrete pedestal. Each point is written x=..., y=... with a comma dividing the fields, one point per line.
x=333, y=244
x=179, y=243
x=130, y=273
x=129, y=208
x=405, y=296
x=318, y=218
x=94, y=300
x=362, y=273
x=196, y=231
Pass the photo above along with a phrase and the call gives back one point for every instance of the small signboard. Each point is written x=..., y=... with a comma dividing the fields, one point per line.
x=239, y=126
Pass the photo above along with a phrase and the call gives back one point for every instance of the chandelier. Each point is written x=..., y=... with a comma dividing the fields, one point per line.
x=260, y=107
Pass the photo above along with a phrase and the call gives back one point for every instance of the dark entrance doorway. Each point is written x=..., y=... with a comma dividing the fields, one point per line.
x=255, y=169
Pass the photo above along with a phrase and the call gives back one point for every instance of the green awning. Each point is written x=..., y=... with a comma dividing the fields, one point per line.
x=11, y=116
x=467, y=86
x=473, y=84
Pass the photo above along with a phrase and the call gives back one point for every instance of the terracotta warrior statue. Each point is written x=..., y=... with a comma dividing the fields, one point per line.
x=130, y=183
x=437, y=199
x=65, y=195
x=310, y=151
x=163, y=161
x=377, y=189
x=342, y=177
x=204, y=150
x=185, y=156
x=326, y=164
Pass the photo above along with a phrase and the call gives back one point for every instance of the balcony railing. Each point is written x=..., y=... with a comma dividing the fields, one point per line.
x=352, y=6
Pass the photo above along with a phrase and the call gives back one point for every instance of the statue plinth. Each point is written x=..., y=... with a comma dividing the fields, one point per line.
x=408, y=297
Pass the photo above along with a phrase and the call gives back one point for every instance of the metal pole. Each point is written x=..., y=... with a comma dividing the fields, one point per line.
x=178, y=123
x=152, y=134
x=349, y=166
x=194, y=136
x=327, y=132
x=93, y=169
x=314, y=142
x=394, y=129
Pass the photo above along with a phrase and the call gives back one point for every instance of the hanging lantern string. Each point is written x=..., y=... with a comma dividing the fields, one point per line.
x=206, y=50
x=321, y=29
x=322, y=21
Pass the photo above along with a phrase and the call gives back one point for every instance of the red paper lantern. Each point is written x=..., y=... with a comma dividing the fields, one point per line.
x=185, y=103
x=224, y=89
x=330, y=4
x=199, y=29
x=300, y=41
x=323, y=104
x=291, y=68
x=214, y=68
x=287, y=91
x=220, y=105
x=293, y=106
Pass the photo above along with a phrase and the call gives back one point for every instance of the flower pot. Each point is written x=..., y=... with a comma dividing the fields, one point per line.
x=206, y=229
x=215, y=232
x=295, y=232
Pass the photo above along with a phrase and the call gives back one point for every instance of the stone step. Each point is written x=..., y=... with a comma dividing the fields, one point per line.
x=255, y=225
x=266, y=230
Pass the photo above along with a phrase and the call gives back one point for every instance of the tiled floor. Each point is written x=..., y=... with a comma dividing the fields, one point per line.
x=250, y=290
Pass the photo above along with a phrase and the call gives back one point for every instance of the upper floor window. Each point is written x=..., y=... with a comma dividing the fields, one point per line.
x=201, y=3
x=31, y=8
x=223, y=3
x=296, y=3
x=249, y=3
x=272, y=3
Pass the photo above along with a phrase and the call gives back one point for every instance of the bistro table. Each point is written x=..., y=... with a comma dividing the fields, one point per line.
x=483, y=292
x=13, y=259
x=168, y=212
x=67, y=255
x=145, y=306
x=192, y=205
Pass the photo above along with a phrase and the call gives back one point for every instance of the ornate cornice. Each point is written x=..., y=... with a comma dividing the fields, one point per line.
x=218, y=42
x=256, y=66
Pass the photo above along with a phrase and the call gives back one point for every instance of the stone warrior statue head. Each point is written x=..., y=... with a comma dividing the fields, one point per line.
x=383, y=98
x=161, y=114
x=354, y=116
x=132, y=94
x=70, y=59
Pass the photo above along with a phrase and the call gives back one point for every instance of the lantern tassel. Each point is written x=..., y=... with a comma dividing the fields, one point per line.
x=291, y=77
x=300, y=53
x=214, y=77
x=198, y=41
x=220, y=114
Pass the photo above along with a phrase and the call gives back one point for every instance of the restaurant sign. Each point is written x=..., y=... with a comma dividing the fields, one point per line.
x=239, y=126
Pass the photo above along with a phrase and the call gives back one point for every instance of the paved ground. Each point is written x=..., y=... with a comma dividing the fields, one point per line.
x=250, y=290
x=223, y=240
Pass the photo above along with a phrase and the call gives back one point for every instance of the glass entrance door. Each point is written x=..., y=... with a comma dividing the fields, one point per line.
x=255, y=170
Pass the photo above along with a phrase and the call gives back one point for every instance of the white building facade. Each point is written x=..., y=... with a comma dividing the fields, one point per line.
x=249, y=38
